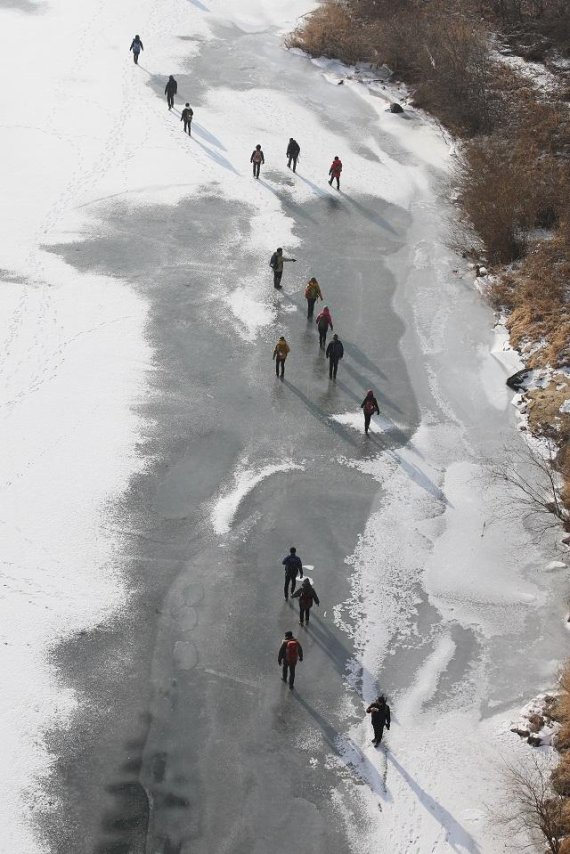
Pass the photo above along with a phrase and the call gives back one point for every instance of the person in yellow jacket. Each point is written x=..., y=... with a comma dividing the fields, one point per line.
x=312, y=294
x=280, y=354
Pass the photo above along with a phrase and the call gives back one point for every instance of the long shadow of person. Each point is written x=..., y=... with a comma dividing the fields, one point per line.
x=321, y=416
x=217, y=157
x=457, y=837
x=357, y=355
x=349, y=753
x=372, y=216
x=365, y=384
x=200, y=130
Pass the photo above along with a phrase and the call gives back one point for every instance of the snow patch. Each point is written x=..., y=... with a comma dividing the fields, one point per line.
x=245, y=480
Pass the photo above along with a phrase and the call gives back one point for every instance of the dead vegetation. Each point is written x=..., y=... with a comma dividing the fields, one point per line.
x=534, y=811
x=514, y=173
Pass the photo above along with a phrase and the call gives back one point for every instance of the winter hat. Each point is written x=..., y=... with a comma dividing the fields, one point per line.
x=306, y=582
x=288, y=635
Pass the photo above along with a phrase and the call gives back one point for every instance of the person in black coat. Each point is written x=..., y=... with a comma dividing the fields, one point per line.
x=380, y=712
x=370, y=406
x=186, y=117
x=293, y=152
x=334, y=353
x=293, y=568
x=170, y=91
x=136, y=47
x=306, y=594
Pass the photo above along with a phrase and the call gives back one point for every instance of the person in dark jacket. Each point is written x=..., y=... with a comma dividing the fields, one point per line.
x=290, y=652
x=257, y=158
x=335, y=170
x=334, y=353
x=380, y=712
x=186, y=117
x=170, y=91
x=323, y=321
x=293, y=568
x=306, y=594
x=369, y=406
x=293, y=152
x=136, y=47
x=276, y=263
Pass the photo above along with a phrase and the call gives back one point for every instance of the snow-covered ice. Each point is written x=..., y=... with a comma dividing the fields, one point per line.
x=75, y=371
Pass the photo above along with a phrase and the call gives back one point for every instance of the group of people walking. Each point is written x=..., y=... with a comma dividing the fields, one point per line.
x=334, y=352
x=292, y=154
x=290, y=650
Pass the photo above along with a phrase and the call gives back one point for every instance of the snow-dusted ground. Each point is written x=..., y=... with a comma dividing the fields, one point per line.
x=438, y=580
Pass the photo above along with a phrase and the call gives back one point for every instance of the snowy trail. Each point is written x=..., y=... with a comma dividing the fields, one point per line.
x=123, y=242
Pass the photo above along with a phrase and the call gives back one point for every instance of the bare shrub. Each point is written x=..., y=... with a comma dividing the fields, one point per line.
x=534, y=484
x=534, y=810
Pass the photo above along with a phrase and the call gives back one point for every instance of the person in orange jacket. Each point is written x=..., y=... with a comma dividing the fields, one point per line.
x=280, y=353
x=312, y=294
x=335, y=170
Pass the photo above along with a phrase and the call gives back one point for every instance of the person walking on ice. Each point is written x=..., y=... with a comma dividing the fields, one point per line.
x=335, y=170
x=293, y=568
x=312, y=294
x=170, y=91
x=290, y=652
x=323, y=321
x=186, y=117
x=306, y=594
x=369, y=406
x=334, y=353
x=136, y=47
x=276, y=263
x=257, y=158
x=380, y=712
x=280, y=354
x=293, y=152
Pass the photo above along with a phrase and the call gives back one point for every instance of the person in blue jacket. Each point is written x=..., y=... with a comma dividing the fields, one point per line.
x=293, y=568
x=136, y=47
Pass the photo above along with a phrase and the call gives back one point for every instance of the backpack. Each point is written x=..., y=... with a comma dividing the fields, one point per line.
x=273, y=262
x=306, y=599
x=292, y=651
x=369, y=407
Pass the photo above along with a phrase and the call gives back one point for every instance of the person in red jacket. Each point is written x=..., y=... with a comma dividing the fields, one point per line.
x=335, y=170
x=306, y=594
x=323, y=321
x=290, y=652
x=369, y=406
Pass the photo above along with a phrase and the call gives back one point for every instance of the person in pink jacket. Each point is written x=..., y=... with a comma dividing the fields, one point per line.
x=324, y=321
